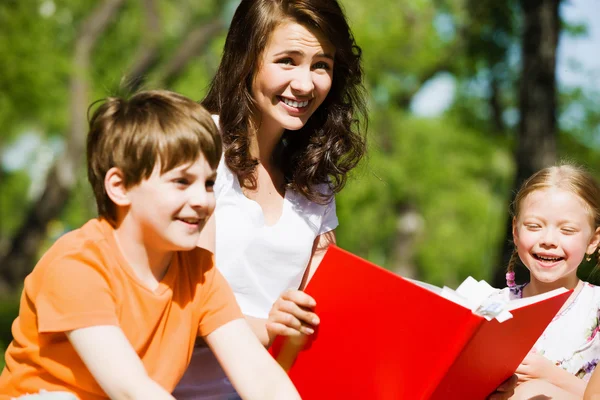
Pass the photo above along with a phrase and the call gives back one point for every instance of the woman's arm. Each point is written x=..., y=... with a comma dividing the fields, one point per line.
x=114, y=364
x=320, y=246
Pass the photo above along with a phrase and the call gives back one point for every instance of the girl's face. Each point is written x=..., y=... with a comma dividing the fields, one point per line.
x=553, y=232
x=294, y=77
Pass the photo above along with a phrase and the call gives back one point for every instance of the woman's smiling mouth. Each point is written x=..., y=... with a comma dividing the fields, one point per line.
x=294, y=103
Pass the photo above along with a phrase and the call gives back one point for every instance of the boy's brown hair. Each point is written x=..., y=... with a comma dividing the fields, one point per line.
x=134, y=134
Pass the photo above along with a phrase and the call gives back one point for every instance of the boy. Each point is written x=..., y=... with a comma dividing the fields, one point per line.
x=113, y=309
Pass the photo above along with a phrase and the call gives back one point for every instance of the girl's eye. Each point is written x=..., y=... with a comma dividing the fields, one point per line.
x=532, y=226
x=322, y=65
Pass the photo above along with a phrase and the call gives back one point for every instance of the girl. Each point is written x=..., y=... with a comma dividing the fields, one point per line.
x=556, y=225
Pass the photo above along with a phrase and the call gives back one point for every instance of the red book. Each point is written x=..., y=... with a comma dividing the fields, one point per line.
x=385, y=337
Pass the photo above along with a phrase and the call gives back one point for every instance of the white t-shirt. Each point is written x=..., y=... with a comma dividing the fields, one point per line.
x=261, y=261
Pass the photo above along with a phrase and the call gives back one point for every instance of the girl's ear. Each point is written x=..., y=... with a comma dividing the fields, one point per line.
x=515, y=233
x=594, y=241
x=115, y=187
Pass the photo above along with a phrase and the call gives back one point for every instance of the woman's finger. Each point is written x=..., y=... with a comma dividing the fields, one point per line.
x=299, y=297
x=277, y=328
x=300, y=313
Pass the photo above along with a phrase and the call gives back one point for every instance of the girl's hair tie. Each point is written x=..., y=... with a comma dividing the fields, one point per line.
x=510, y=279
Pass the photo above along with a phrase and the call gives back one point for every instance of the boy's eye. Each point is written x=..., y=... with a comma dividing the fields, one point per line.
x=182, y=181
x=286, y=60
x=209, y=184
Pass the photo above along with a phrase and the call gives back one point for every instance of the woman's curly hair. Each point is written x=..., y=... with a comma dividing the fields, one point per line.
x=332, y=142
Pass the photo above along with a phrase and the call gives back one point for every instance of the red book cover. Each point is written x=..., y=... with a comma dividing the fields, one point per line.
x=385, y=337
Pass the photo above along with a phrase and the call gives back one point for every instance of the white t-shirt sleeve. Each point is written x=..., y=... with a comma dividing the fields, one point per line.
x=329, y=221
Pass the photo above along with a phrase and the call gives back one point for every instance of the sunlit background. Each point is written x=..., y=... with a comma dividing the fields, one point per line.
x=431, y=199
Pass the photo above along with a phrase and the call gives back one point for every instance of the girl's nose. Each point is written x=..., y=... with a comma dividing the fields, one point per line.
x=549, y=237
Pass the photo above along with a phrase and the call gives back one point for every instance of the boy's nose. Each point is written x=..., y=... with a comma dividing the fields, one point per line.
x=200, y=198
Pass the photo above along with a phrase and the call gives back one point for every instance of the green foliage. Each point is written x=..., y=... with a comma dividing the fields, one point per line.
x=9, y=308
x=456, y=178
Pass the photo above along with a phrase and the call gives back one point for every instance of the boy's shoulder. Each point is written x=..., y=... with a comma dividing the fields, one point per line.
x=86, y=244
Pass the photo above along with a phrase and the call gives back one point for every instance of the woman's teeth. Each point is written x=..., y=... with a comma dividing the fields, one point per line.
x=292, y=103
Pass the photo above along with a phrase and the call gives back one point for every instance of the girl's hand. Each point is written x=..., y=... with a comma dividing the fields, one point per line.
x=535, y=366
x=292, y=315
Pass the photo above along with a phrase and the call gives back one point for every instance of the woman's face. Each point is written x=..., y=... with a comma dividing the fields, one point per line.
x=293, y=78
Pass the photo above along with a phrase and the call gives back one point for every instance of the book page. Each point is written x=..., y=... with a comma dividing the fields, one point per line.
x=445, y=292
x=518, y=303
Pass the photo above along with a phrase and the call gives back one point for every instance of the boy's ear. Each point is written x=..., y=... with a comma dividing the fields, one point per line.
x=594, y=242
x=115, y=187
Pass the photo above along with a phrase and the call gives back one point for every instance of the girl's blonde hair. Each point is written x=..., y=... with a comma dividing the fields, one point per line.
x=564, y=176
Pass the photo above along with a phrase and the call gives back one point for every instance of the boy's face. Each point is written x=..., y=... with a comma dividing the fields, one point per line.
x=171, y=209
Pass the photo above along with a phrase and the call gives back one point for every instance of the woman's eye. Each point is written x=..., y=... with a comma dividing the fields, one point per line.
x=322, y=65
x=286, y=61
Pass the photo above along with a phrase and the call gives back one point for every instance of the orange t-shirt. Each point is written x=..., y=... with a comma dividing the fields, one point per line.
x=83, y=280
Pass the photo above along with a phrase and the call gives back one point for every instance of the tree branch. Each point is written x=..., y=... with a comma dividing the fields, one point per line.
x=21, y=254
x=195, y=43
x=147, y=53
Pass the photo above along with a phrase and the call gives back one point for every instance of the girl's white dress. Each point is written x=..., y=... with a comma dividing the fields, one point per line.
x=571, y=340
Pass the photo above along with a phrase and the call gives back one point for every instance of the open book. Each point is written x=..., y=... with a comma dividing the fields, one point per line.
x=385, y=337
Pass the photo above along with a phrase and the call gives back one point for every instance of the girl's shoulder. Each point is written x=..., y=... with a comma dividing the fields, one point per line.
x=592, y=291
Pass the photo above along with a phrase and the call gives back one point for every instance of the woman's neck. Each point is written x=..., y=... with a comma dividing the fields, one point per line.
x=264, y=140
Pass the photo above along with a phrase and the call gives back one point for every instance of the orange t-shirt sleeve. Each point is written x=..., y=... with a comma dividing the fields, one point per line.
x=219, y=306
x=73, y=295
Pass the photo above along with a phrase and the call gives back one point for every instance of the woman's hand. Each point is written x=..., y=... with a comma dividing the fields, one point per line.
x=292, y=315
